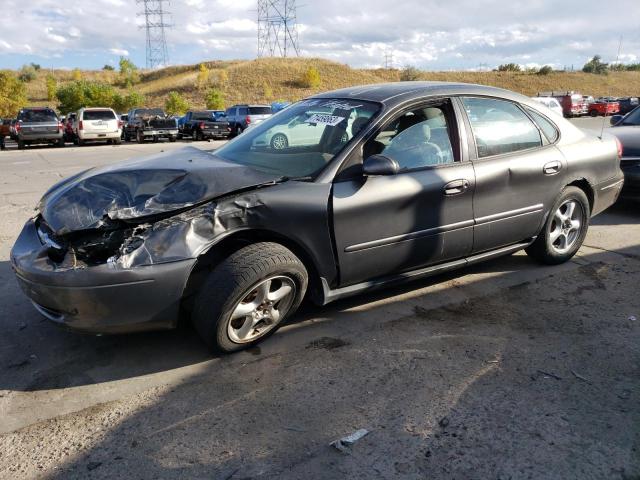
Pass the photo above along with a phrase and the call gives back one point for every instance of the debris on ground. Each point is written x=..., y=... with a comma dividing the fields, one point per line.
x=632, y=318
x=93, y=465
x=444, y=422
x=579, y=377
x=547, y=374
x=344, y=444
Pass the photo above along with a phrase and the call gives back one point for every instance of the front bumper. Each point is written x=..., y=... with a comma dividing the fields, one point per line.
x=103, y=298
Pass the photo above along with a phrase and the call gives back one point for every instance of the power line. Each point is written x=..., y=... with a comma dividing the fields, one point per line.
x=155, y=17
x=277, y=28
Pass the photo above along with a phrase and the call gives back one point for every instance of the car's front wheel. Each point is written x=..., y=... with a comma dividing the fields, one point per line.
x=565, y=228
x=248, y=295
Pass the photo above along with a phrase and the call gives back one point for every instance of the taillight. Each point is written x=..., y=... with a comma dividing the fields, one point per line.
x=201, y=125
x=228, y=129
x=248, y=119
x=18, y=127
x=60, y=127
x=80, y=126
x=620, y=147
x=120, y=124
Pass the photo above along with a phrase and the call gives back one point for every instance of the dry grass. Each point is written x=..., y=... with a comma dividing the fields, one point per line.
x=271, y=79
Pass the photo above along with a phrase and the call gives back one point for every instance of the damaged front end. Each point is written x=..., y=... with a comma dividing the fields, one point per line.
x=112, y=250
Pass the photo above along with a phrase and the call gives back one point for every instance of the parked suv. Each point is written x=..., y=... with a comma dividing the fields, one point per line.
x=38, y=125
x=240, y=117
x=97, y=124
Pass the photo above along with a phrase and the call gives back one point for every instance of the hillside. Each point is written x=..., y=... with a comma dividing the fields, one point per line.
x=267, y=80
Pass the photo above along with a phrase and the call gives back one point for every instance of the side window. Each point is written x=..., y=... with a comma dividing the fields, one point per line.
x=499, y=127
x=549, y=129
x=243, y=112
x=416, y=139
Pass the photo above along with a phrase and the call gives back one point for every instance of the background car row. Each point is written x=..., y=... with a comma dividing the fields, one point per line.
x=42, y=125
x=574, y=104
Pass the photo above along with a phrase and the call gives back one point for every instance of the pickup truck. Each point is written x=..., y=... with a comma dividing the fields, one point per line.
x=38, y=125
x=150, y=123
x=203, y=125
x=601, y=107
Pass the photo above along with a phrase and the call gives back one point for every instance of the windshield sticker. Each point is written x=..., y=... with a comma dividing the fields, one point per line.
x=309, y=103
x=338, y=105
x=324, y=119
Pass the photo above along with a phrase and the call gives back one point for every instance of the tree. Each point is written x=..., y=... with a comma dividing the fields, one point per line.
x=203, y=77
x=595, y=65
x=82, y=93
x=129, y=74
x=509, y=67
x=546, y=70
x=27, y=73
x=52, y=87
x=311, y=78
x=124, y=103
x=214, y=99
x=13, y=94
x=108, y=67
x=409, y=74
x=176, y=104
x=36, y=66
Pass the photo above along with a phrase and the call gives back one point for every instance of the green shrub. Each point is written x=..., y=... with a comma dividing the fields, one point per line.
x=13, y=95
x=214, y=99
x=52, y=87
x=311, y=78
x=595, y=65
x=27, y=73
x=176, y=104
x=509, y=67
x=409, y=74
x=546, y=70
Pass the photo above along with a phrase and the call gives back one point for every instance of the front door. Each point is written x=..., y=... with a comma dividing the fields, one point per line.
x=385, y=225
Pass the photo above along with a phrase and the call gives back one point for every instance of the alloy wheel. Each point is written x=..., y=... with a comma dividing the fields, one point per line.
x=261, y=308
x=566, y=226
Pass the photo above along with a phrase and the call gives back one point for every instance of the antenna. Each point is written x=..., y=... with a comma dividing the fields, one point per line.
x=277, y=28
x=606, y=108
x=388, y=59
x=155, y=15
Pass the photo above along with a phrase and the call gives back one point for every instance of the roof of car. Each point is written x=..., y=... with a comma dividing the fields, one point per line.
x=391, y=93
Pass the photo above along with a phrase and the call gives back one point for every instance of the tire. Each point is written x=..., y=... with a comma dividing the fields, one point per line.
x=593, y=113
x=279, y=142
x=172, y=138
x=20, y=144
x=197, y=136
x=139, y=137
x=242, y=276
x=557, y=244
x=126, y=136
x=60, y=143
x=239, y=131
x=117, y=141
x=80, y=142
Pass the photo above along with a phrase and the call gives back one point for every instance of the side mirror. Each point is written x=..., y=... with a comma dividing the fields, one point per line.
x=616, y=119
x=380, y=165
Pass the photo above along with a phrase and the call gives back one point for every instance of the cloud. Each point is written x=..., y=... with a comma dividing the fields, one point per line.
x=459, y=34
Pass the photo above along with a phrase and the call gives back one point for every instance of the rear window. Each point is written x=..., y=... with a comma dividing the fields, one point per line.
x=202, y=116
x=38, y=116
x=259, y=110
x=99, y=115
x=548, y=128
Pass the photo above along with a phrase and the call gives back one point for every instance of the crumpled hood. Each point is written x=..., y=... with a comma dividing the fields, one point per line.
x=140, y=188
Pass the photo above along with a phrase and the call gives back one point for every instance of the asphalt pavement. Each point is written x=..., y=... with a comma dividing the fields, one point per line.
x=505, y=370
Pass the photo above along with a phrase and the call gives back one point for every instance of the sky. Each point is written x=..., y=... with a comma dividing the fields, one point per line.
x=428, y=34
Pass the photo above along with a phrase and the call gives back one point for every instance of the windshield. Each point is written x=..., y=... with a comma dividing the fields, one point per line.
x=302, y=139
x=632, y=118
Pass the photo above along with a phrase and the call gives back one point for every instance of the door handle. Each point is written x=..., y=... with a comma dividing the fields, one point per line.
x=552, y=168
x=456, y=187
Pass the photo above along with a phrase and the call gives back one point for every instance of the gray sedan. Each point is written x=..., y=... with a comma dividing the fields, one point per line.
x=401, y=181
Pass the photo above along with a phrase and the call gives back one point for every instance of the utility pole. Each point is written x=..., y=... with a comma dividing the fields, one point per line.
x=277, y=28
x=388, y=59
x=155, y=17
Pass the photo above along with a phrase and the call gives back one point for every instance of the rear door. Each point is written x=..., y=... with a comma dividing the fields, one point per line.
x=385, y=225
x=99, y=121
x=519, y=172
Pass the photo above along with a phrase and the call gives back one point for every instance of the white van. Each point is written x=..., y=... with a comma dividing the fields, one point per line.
x=97, y=124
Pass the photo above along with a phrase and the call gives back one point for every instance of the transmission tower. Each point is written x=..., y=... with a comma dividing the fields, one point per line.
x=155, y=17
x=277, y=28
x=388, y=59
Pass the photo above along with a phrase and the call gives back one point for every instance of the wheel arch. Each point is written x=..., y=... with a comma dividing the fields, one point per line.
x=584, y=185
x=238, y=239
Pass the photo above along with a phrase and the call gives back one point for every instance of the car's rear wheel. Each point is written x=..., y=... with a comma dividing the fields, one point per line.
x=117, y=141
x=593, y=113
x=197, y=135
x=248, y=295
x=80, y=142
x=279, y=141
x=565, y=228
x=139, y=137
x=239, y=131
x=60, y=142
x=20, y=144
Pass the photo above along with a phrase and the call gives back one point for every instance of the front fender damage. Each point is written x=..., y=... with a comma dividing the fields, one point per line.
x=183, y=236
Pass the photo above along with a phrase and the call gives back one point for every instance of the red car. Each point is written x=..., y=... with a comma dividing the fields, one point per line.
x=601, y=107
